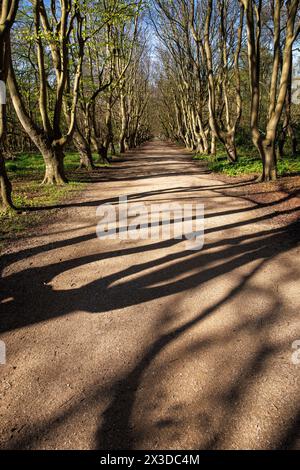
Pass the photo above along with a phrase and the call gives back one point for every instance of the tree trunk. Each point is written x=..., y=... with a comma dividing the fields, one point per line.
x=213, y=148
x=103, y=154
x=122, y=145
x=8, y=154
x=287, y=131
x=268, y=155
x=123, y=123
x=85, y=152
x=53, y=156
x=231, y=148
x=8, y=11
x=54, y=161
x=294, y=145
x=200, y=148
x=86, y=158
x=203, y=136
x=281, y=142
x=109, y=128
x=113, y=150
x=101, y=150
x=6, y=187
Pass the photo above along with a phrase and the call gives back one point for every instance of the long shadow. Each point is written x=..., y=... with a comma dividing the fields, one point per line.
x=291, y=438
x=105, y=295
x=9, y=258
x=116, y=431
x=29, y=297
x=196, y=191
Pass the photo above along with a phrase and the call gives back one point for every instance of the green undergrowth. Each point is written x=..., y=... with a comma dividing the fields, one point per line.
x=28, y=195
x=31, y=165
x=248, y=163
x=26, y=172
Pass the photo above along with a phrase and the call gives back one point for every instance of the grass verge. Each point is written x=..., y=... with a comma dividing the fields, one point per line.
x=249, y=163
x=26, y=173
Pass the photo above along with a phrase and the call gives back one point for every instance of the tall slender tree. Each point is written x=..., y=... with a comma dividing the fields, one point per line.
x=8, y=11
x=285, y=11
x=53, y=29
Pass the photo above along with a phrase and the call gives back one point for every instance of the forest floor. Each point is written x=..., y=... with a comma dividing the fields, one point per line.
x=283, y=194
x=249, y=162
x=26, y=172
x=144, y=344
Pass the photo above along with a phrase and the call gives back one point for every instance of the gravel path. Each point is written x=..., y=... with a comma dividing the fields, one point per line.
x=139, y=344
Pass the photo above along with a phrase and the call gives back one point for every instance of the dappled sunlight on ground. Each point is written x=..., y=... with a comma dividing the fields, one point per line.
x=142, y=344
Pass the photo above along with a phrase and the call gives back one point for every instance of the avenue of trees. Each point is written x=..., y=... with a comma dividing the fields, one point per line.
x=227, y=68
x=78, y=75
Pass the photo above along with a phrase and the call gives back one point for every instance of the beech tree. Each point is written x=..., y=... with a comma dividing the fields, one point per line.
x=7, y=17
x=94, y=81
x=183, y=65
x=204, y=40
x=107, y=58
x=54, y=28
x=86, y=76
x=284, y=19
x=223, y=122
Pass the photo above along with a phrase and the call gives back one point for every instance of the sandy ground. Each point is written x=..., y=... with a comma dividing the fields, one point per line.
x=140, y=344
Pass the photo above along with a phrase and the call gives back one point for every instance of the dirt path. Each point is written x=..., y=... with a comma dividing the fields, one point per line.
x=143, y=344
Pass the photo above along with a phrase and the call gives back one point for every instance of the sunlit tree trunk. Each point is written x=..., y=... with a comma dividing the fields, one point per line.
x=266, y=144
x=49, y=137
x=8, y=11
